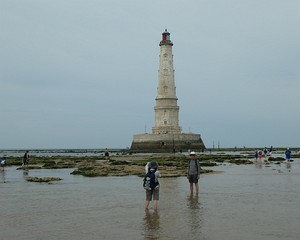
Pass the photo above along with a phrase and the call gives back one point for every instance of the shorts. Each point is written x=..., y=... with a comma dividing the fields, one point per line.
x=288, y=156
x=152, y=194
x=193, y=178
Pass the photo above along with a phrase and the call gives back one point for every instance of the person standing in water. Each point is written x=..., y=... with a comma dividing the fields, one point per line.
x=288, y=154
x=26, y=158
x=271, y=151
x=151, y=184
x=259, y=154
x=193, y=172
x=106, y=154
x=266, y=153
x=3, y=163
x=256, y=154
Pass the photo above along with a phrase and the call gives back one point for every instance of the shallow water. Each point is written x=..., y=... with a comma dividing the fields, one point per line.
x=243, y=202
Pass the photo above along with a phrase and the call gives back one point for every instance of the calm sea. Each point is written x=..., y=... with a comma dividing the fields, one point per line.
x=243, y=202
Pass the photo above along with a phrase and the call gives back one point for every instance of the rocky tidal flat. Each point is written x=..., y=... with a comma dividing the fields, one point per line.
x=170, y=165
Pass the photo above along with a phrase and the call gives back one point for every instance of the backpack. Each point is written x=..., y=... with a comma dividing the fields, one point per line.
x=149, y=182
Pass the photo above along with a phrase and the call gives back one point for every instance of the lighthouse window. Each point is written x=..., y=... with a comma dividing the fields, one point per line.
x=165, y=55
x=165, y=122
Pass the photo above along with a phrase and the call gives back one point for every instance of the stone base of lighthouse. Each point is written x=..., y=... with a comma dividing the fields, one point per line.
x=167, y=142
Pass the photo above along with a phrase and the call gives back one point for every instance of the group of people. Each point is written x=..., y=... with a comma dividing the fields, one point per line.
x=268, y=153
x=151, y=169
x=152, y=189
x=265, y=152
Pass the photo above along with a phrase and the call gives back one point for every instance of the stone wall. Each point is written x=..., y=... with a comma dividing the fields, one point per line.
x=167, y=142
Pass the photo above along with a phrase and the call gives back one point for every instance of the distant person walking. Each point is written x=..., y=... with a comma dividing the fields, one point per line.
x=266, y=152
x=151, y=184
x=288, y=154
x=256, y=154
x=259, y=154
x=3, y=163
x=26, y=158
x=106, y=154
x=271, y=151
x=193, y=172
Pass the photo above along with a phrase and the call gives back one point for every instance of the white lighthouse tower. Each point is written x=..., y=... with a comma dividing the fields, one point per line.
x=166, y=109
x=166, y=134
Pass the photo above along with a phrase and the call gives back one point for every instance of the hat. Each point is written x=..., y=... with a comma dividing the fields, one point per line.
x=153, y=165
x=192, y=153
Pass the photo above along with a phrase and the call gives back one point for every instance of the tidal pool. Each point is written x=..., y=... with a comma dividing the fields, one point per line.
x=244, y=202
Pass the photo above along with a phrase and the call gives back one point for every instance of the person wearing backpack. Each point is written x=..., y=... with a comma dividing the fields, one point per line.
x=151, y=184
x=193, y=172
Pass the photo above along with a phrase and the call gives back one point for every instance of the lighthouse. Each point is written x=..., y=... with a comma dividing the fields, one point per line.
x=166, y=134
x=166, y=109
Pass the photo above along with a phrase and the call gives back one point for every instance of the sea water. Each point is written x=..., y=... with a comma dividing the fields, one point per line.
x=243, y=202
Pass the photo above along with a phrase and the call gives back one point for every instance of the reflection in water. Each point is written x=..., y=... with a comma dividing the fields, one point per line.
x=193, y=201
x=151, y=221
x=2, y=176
x=25, y=174
x=194, y=217
x=288, y=165
x=258, y=164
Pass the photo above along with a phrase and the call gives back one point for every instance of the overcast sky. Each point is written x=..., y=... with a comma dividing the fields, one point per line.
x=83, y=73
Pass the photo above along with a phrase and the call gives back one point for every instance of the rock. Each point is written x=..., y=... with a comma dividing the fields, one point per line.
x=118, y=162
x=28, y=167
x=276, y=159
x=44, y=179
x=208, y=164
x=170, y=165
x=240, y=161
